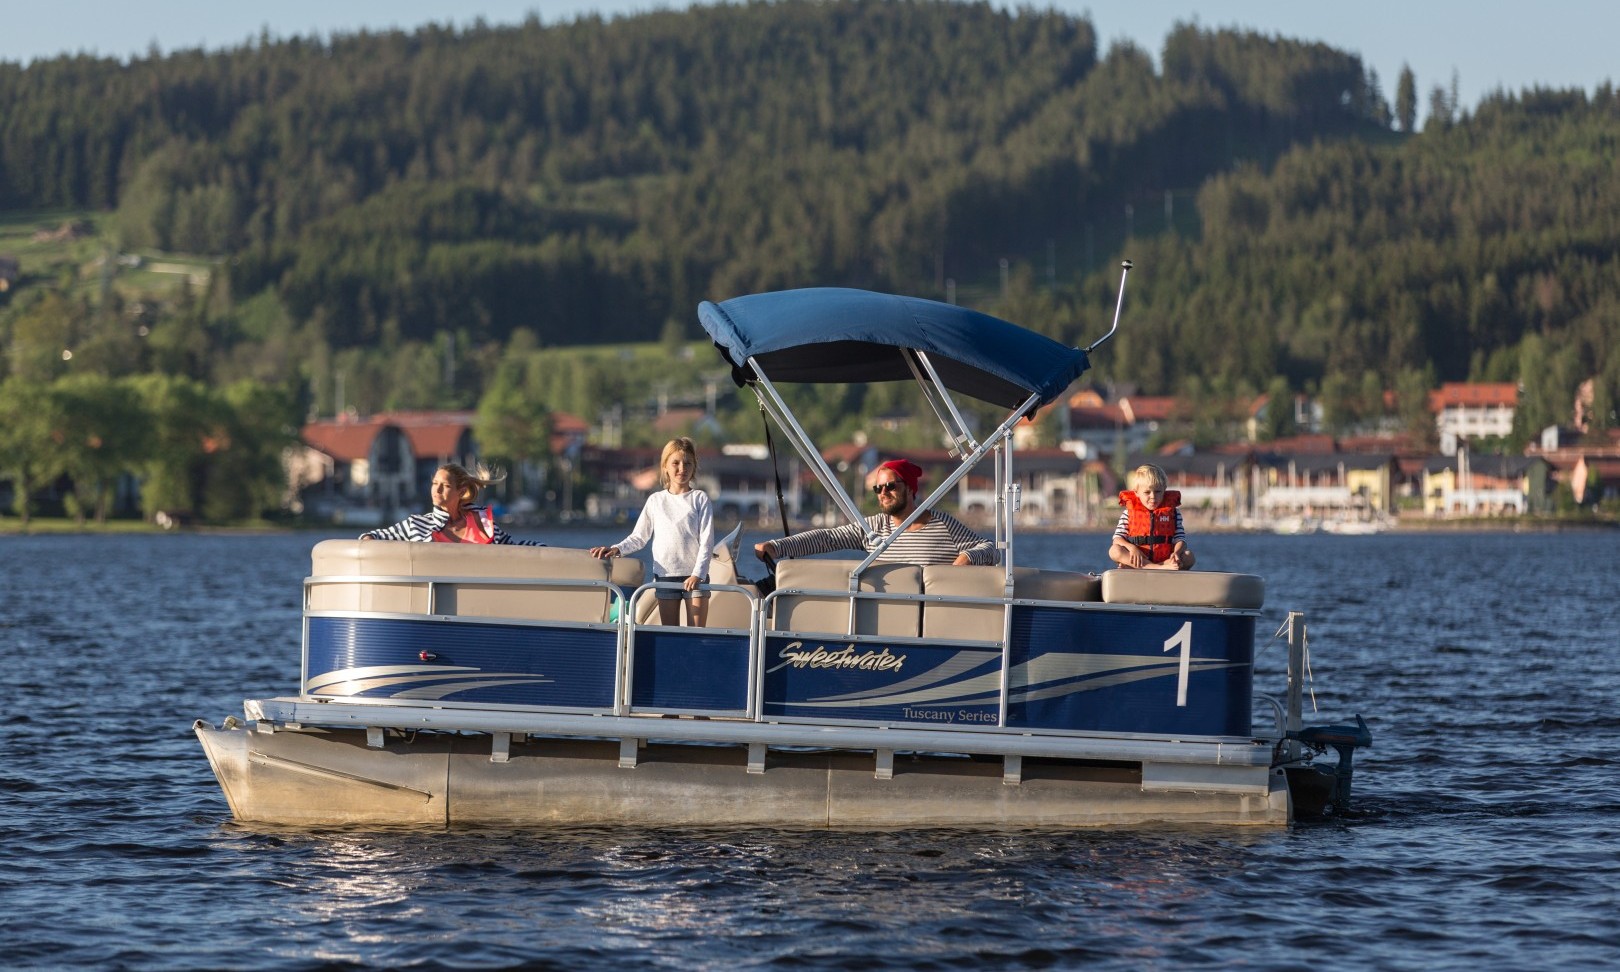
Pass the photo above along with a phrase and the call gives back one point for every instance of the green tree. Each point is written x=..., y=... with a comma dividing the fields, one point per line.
x=1338, y=399
x=29, y=418
x=43, y=336
x=243, y=473
x=103, y=432
x=1277, y=421
x=1406, y=100
x=1442, y=110
x=1412, y=387
x=511, y=424
x=185, y=429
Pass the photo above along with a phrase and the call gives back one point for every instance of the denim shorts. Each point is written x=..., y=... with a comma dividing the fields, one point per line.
x=670, y=594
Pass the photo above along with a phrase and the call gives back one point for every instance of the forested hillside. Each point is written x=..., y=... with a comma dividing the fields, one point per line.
x=407, y=212
x=593, y=181
x=1485, y=250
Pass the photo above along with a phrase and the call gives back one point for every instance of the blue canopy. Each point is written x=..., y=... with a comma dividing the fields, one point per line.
x=832, y=334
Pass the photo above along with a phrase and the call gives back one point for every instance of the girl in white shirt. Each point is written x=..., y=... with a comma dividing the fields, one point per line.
x=680, y=523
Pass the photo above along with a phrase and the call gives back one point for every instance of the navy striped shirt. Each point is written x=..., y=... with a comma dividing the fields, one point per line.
x=420, y=527
x=936, y=542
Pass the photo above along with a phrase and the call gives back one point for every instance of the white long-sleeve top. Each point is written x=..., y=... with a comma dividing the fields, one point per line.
x=681, y=528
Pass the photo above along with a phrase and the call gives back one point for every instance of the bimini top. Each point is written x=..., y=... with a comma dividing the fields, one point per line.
x=832, y=334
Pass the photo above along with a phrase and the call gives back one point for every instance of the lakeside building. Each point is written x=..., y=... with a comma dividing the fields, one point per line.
x=1472, y=410
x=1588, y=463
x=1486, y=485
x=366, y=470
x=740, y=481
x=363, y=469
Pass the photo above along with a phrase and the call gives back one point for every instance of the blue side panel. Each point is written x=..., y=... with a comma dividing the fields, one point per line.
x=872, y=681
x=1113, y=671
x=689, y=669
x=497, y=664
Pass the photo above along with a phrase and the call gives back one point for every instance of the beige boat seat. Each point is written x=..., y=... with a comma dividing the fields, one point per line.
x=532, y=600
x=830, y=613
x=727, y=609
x=1194, y=588
x=984, y=622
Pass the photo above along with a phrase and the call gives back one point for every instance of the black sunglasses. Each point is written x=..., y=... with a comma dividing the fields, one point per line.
x=881, y=488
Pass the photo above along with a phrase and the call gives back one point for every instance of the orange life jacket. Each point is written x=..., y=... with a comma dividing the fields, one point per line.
x=475, y=531
x=1152, y=530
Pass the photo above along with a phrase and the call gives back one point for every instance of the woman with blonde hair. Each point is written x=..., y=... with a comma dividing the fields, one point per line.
x=454, y=517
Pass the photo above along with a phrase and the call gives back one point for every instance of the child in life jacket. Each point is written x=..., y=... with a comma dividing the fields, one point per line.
x=1150, y=533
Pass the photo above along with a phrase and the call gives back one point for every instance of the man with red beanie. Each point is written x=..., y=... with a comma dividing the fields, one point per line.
x=936, y=538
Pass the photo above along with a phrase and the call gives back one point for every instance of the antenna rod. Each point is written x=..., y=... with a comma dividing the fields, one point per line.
x=1125, y=271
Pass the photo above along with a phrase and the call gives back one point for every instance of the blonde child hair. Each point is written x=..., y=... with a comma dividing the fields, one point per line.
x=677, y=444
x=1153, y=474
x=469, y=483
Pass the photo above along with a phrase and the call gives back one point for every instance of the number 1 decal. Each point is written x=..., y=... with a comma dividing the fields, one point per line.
x=1183, y=638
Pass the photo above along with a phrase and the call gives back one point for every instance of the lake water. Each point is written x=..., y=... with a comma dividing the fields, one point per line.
x=1484, y=834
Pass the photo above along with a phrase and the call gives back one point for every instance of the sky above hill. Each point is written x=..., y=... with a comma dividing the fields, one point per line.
x=1489, y=44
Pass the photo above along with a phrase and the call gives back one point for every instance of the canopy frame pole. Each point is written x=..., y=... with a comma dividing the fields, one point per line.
x=968, y=462
x=1002, y=520
x=1125, y=271
x=939, y=398
x=1007, y=486
x=772, y=402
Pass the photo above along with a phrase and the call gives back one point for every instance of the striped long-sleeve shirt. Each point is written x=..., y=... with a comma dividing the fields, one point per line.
x=420, y=527
x=936, y=542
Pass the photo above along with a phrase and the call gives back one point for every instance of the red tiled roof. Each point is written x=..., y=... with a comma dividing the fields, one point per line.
x=1473, y=394
x=1314, y=445
x=1100, y=417
x=431, y=434
x=343, y=440
x=1402, y=444
x=1146, y=408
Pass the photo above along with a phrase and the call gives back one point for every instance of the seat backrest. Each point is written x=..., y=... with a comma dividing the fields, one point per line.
x=1194, y=588
x=533, y=600
x=830, y=613
x=963, y=622
x=986, y=622
x=627, y=573
x=1040, y=584
x=727, y=609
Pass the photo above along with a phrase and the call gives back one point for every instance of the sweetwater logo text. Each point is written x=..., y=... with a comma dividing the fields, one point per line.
x=797, y=655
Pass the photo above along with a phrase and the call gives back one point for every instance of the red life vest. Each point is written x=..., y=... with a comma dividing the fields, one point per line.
x=475, y=532
x=1152, y=530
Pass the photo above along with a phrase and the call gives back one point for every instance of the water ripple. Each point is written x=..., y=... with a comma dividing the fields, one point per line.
x=1481, y=838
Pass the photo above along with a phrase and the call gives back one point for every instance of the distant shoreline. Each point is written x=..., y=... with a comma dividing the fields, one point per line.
x=43, y=526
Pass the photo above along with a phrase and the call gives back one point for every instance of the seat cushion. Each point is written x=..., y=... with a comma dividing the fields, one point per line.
x=1195, y=588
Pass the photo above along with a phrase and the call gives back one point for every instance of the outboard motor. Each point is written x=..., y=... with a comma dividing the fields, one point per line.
x=1344, y=739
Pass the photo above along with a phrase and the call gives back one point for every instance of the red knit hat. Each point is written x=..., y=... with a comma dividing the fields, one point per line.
x=909, y=472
